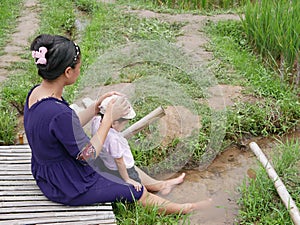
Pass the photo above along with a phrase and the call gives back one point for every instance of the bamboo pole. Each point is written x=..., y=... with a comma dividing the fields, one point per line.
x=281, y=189
x=145, y=121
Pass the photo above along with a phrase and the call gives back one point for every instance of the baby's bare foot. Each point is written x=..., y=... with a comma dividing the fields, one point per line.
x=169, y=184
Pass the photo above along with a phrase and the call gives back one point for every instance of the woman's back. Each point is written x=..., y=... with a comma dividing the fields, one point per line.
x=49, y=124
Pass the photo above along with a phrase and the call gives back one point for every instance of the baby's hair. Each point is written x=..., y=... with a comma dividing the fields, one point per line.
x=61, y=53
x=120, y=120
x=102, y=115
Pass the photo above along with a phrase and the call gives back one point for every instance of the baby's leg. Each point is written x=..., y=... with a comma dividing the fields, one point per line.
x=153, y=185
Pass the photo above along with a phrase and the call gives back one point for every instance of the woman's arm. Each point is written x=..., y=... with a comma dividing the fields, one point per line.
x=115, y=110
x=87, y=114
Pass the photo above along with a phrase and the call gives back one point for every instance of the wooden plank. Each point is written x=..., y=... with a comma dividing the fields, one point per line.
x=14, y=158
x=8, y=167
x=47, y=203
x=77, y=213
x=22, y=202
x=27, y=202
x=20, y=172
x=109, y=221
x=53, y=208
x=16, y=177
x=13, y=154
x=17, y=183
x=21, y=198
x=21, y=192
x=18, y=188
x=16, y=161
x=15, y=148
x=96, y=217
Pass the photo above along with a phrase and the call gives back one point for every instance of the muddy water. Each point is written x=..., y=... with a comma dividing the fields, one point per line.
x=220, y=181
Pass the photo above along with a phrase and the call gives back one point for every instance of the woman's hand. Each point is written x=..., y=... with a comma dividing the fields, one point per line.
x=118, y=108
x=102, y=97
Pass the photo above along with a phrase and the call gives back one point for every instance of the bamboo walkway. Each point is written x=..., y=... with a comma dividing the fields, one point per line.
x=21, y=201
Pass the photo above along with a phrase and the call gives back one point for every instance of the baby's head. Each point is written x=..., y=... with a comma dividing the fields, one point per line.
x=120, y=123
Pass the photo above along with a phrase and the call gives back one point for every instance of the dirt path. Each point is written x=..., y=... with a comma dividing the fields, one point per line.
x=28, y=24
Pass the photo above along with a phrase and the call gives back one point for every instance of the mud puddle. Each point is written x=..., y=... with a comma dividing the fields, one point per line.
x=220, y=181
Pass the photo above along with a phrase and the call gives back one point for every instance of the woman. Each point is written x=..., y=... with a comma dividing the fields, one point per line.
x=62, y=154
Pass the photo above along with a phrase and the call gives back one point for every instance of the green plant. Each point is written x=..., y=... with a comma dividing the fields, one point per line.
x=193, y=4
x=276, y=109
x=9, y=11
x=58, y=18
x=87, y=6
x=134, y=213
x=272, y=27
x=8, y=123
x=260, y=203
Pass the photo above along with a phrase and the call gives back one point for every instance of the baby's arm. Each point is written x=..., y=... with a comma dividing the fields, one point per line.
x=123, y=172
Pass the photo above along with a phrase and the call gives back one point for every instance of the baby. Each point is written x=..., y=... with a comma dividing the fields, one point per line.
x=116, y=153
x=118, y=158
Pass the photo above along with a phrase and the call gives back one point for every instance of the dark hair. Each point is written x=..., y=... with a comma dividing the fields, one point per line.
x=61, y=53
x=120, y=120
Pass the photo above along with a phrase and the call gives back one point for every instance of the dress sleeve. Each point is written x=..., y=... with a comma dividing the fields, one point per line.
x=68, y=131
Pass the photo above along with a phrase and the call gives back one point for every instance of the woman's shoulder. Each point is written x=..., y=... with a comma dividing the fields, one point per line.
x=51, y=104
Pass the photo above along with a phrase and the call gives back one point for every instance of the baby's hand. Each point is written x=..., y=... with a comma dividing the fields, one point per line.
x=137, y=185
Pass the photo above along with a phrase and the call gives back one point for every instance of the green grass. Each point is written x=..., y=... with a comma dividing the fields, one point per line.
x=191, y=6
x=276, y=109
x=260, y=202
x=272, y=28
x=129, y=214
x=9, y=12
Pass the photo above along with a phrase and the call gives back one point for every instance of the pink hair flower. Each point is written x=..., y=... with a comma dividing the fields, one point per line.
x=40, y=55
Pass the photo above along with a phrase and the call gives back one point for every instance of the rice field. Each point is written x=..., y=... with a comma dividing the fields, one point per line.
x=273, y=28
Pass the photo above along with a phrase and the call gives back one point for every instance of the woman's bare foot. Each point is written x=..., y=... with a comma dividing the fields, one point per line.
x=202, y=205
x=169, y=184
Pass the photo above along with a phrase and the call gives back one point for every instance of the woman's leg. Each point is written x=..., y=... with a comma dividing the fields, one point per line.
x=168, y=207
x=153, y=185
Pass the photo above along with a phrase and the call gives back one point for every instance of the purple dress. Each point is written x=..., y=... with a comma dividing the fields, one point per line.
x=56, y=137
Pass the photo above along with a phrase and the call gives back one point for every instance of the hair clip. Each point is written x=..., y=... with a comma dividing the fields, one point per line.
x=77, y=52
x=40, y=55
